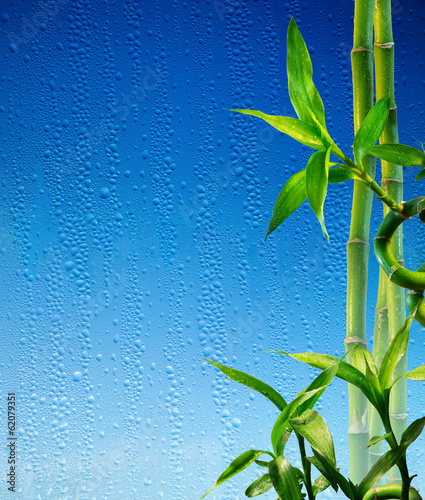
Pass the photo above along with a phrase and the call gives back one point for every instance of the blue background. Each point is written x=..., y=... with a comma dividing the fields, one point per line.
x=133, y=212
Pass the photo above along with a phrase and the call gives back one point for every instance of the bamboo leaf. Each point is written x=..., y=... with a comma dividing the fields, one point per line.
x=314, y=429
x=416, y=374
x=320, y=484
x=395, y=351
x=302, y=90
x=323, y=470
x=420, y=175
x=283, y=419
x=292, y=195
x=334, y=477
x=412, y=432
x=252, y=383
x=340, y=174
x=239, y=464
x=284, y=479
x=322, y=381
x=377, y=439
x=384, y=464
x=316, y=184
x=399, y=154
x=262, y=463
x=259, y=486
x=300, y=130
x=345, y=371
x=371, y=128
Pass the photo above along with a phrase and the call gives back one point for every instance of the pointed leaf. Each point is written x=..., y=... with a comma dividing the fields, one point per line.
x=334, y=476
x=416, y=374
x=283, y=419
x=377, y=439
x=252, y=383
x=383, y=465
x=412, y=432
x=301, y=131
x=316, y=183
x=340, y=174
x=371, y=128
x=322, y=381
x=300, y=77
x=399, y=154
x=239, y=464
x=345, y=372
x=284, y=479
x=363, y=360
x=395, y=351
x=262, y=463
x=420, y=175
x=259, y=486
x=292, y=196
x=325, y=473
x=320, y=484
x=314, y=429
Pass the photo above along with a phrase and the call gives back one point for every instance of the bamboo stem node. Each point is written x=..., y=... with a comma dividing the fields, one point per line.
x=391, y=180
x=399, y=416
x=362, y=49
x=355, y=340
x=388, y=45
x=358, y=240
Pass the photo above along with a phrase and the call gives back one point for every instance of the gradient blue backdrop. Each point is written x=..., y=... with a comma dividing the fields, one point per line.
x=134, y=208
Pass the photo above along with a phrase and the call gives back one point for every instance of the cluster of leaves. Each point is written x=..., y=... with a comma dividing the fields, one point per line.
x=299, y=417
x=310, y=130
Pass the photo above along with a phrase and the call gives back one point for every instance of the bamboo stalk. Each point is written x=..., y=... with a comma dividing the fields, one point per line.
x=392, y=183
x=358, y=245
x=380, y=337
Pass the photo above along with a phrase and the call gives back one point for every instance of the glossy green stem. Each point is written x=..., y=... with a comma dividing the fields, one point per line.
x=306, y=467
x=358, y=244
x=388, y=492
x=392, y=183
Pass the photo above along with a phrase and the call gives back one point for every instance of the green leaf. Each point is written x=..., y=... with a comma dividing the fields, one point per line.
x=252, y=383
x=302, y=90
x=334, y=477
x=262, y=463
x=283, y=419
x=345, y=371
x=301, y=131
x=377, y=439
x=314, y=429
x=371, y=128
x=239, y=464
x=259, y=486
x=292, y=195
x=384, y=464
x=322, y=381
x=323, y=470
x=363, y=360
x=416, y=374
x=412, y=432
x=284, y=479
x=395, y=351
x=399, y=154
x=340, y=174
x=316, y=183
x=320, y=484
x=420, y=175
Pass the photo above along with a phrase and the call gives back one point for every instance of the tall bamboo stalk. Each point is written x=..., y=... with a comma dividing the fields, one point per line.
x=358, y=244
x=392, y=183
